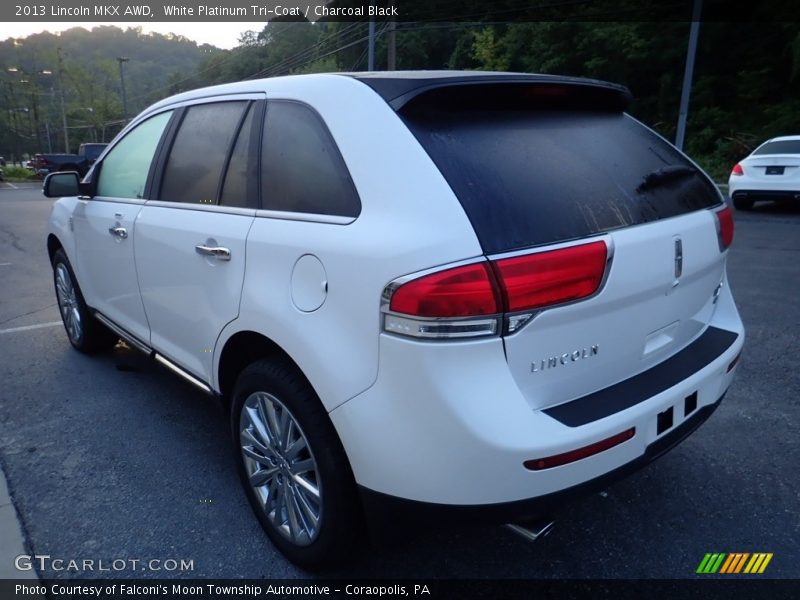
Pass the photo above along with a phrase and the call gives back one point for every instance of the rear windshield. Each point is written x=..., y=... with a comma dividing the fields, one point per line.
x=779, y=147
x=533, y=177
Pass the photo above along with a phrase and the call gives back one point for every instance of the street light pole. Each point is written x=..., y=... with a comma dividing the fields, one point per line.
x=123, y=59
x=683, y=113
x=61, y=90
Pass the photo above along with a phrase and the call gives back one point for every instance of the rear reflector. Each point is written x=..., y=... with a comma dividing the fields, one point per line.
x=567, y=457
x=734, y=362
x=725, y=227
x=460, y=292
x=553, y=277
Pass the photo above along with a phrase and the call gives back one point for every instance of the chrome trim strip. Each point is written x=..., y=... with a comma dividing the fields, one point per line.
x=129, y=339
x=299, y=216
x=215, y=208
x=176, y=369
x=136, y=201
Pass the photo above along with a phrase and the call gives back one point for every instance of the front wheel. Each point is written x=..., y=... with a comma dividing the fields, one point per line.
x=293, y=466
x=85, y=332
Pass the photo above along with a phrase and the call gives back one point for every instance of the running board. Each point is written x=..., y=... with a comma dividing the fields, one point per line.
x=185, y=374
x=532, y=531
x=142, y=347
x=127, y=337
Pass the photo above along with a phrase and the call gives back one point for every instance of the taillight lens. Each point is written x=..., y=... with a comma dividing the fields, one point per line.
x=552, y=277
x=737, y=169
x=468, y=301
x=460, y=292
x=725, y=227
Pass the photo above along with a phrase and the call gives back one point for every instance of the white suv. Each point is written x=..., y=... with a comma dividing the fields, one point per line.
x=455, y=293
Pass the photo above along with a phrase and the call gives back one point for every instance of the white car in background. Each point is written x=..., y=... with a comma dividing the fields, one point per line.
x=430, y=293
x=771, y=172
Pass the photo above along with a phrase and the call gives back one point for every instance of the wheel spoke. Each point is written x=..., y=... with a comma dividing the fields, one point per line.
x=291, y=513
x=258, y=434
x=271, y=421
x=294, y=449
x=304, y=466
x=310, y=516
x=263, y=476
x=306, y=485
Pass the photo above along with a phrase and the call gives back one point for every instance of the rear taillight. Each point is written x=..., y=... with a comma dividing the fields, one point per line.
x=553, y=277
x=486, y=297
x=724, y=228
x=737, y=169
x=460, y=292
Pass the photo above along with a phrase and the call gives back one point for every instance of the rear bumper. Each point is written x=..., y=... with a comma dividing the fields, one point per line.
x=386, y=512
x=767, y=194
x=447, y=425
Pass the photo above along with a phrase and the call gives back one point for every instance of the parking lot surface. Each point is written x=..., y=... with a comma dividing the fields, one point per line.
x=112, y=457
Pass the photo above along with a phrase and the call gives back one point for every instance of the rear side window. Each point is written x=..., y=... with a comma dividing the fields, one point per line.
x=779, y=147
x=302, y=170
x=530, y=177
x=197, y=158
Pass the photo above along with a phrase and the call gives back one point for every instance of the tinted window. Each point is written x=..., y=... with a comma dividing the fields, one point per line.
x=125, y=169
x=779, y=147
x=239, y=188
x=531, y=177
x=302, y=170
x=197, y=158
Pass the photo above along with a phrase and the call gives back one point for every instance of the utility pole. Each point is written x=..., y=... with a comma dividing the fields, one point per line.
x=61, y=90
x=391, y=58
x=371, y=43
x=123, y=59
x=683, y=113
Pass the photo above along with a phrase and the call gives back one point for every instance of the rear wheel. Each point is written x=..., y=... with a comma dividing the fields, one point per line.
x=85, y=332
x=293, y=467
x=743, y=203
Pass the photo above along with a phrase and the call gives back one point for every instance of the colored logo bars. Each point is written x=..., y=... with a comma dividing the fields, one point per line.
x=734, y=563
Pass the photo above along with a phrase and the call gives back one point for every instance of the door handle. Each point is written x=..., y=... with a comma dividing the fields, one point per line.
x=216, y=251
x=119, y=232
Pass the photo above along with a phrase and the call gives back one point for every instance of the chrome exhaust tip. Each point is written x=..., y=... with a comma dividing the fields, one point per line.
x=532, y=530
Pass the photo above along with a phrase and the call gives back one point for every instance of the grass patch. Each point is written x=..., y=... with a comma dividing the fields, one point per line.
x=14, y=173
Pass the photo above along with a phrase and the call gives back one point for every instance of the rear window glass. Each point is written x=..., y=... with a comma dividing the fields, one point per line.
x=302, y=170
x=779, y=147
x=533, y=177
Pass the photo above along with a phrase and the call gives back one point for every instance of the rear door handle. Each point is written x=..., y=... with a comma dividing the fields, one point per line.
x=218, y=252
x=119, y=232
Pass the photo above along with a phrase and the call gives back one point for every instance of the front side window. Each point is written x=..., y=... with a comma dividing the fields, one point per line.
x=302, y=170
x=125, y=168
x=197, y=158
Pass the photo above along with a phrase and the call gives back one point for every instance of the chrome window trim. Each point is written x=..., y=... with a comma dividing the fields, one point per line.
x=301, y=216
x=230, y=210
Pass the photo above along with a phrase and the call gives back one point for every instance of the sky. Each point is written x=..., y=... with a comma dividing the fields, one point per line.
x=221, y=35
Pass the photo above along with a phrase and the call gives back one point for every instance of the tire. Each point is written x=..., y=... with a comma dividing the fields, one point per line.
x=85, y=333
x=313, y=530
x=743, y=204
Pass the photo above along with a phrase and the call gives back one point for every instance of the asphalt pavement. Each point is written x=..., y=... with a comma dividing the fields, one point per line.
x=112, y=458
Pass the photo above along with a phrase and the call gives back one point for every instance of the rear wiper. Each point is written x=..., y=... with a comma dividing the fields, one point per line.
x=665, y=174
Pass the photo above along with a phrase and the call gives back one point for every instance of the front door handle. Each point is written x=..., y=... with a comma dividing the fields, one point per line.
x=119, y=232
x=216, y=251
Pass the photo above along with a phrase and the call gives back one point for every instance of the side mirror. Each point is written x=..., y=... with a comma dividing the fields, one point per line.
x=63, y=183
